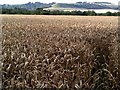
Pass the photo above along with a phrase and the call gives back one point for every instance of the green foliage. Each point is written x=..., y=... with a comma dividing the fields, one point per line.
x=40, y=11
x=90, y=13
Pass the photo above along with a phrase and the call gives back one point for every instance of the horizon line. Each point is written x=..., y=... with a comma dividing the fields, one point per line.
x=53, y=2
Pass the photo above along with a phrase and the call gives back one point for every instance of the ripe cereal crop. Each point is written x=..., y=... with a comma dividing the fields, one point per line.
x=62, y=52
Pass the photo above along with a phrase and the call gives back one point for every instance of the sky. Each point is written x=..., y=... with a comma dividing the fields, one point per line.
x=49, y=1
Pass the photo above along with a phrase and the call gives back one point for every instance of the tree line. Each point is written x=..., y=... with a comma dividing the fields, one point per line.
x=40, y=11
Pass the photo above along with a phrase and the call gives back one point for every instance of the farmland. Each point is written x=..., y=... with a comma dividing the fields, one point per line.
x=60, y=52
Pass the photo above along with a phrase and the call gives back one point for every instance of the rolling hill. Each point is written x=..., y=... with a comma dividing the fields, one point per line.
x=78, y=5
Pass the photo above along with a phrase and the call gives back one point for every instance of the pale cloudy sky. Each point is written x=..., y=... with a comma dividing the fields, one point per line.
x=58, y=1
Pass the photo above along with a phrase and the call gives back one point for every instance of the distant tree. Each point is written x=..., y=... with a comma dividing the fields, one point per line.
x=40, y=11
x=108, y=14
x=93, y=13
x=90, y=13
x=76, y=13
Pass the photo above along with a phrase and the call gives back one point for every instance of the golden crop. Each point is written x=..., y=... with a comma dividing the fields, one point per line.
x=60, y=52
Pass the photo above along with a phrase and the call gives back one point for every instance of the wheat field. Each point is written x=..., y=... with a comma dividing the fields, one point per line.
x=65, y=52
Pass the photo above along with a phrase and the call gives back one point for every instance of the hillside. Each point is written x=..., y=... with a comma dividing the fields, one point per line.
x=28, y=6
x=85, y=5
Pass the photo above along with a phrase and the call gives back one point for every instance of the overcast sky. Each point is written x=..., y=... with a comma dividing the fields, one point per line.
x=48, y=1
